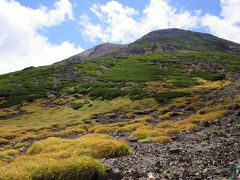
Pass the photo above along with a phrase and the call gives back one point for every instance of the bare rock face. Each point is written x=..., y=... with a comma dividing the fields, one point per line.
x=96, y=51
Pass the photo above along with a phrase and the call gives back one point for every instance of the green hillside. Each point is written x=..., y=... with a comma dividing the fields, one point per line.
x=61, y=121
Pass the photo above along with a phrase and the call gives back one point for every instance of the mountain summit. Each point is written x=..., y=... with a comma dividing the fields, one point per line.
x=162, y=41
x=169, y=40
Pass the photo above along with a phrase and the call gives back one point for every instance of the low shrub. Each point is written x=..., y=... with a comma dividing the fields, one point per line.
x=209, y=75
x=5, y=158
x=105, y=130
x=162, y=139
x=145, y=133
x=145, y=119
x=186, y=82
x=208, y=116
x=167, y=124
x=137, y=94
x=105, y=93
x=95, y=145
x=187, y=126
x=69, y=132
x=19, y=145
x=166, y=96
x=110, y=115
x=130, y=115
x=130, y=127
x=29, y=168
x=77, y=105
x=3, y=141
x=172, y=130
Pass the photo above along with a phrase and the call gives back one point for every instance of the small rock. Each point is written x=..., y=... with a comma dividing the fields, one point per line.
x=22, y=149
x=150, y=176
x=132, y=139
x=114, y=174
x=175, y=151
x=205, y=124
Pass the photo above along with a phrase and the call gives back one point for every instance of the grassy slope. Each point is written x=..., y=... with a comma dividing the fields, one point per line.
x=61, y=101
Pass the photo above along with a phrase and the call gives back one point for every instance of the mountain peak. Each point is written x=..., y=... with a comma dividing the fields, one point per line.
x=96, y=51
x=173, y=39
x=162, y=41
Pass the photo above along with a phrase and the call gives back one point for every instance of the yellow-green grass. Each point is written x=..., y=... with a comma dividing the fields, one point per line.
x=2, y=100
x=57, y=158
x=3, y=141
x=129, y=127
x=237, y=99
x=39, y=117
x=62, y=100
x=142, y=133
x=157, y=86
x=140, y=105
x=105, y=130
x=141, y=128
x=162, y=139
x=208, y=116
x=45, y=133
x=8, y=111
x=168, y=115
x=216, y=108
x=179, y=125
x=110, y=115
x=130, y=115
x=38, y=167
x=7, y=155
x=207, y=85
x=20, y=145
x=94, y=145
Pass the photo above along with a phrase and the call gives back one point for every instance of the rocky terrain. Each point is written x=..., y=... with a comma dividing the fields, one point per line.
x=206, y=153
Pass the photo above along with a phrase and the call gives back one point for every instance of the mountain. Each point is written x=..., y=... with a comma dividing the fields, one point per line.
x=169, y=40
x=163, y=107
x=162, y=41
x=96, y=51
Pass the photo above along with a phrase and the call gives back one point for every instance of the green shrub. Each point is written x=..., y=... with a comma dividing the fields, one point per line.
x=137, y=94
x=5, y=158
x=105, y=93
x=166, y=96
x=184, y=82
x=77, y=105
x=209, y=75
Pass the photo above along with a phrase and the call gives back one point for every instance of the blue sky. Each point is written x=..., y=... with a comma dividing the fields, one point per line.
x=70, y=30
x=40, y=32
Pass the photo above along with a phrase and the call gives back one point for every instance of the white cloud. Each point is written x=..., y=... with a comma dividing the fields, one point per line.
x=228, y=24
x=124, y=24
x=21, y=45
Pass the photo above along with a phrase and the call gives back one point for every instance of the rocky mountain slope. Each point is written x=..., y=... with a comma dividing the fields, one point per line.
x=96, y=51
x=166, y=106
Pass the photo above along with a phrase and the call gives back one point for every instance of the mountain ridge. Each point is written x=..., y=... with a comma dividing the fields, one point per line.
x=162, y=41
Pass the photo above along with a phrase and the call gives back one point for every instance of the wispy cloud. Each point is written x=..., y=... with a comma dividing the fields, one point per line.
x=123, y=24
x=228, y=24
x=119, y=23
x=21, y=44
